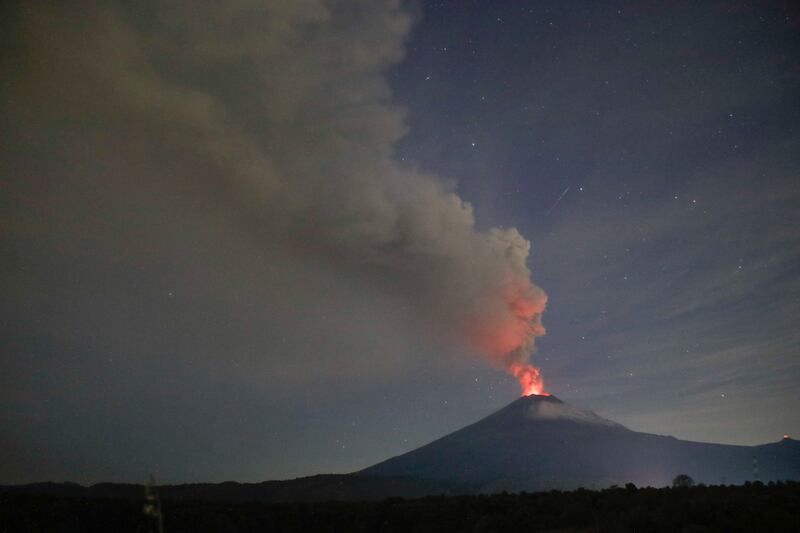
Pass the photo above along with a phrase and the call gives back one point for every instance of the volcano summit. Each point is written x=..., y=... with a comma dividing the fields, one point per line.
x=535, y=443
x=541, y=443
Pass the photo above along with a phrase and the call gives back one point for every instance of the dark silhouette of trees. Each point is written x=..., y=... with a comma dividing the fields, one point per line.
x=682, y=481
x=712, y=508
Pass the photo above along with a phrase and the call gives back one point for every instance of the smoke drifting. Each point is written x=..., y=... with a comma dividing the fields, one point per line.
x=246, y=146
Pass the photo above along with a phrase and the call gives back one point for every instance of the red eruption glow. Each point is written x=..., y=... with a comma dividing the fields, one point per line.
x=530, y=378
x=506, y=333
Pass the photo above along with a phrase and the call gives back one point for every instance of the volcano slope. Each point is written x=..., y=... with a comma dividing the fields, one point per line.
x=536, y=443
x=541, y=443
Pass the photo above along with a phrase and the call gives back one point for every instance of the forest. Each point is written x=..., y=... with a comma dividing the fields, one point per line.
x=750, y=507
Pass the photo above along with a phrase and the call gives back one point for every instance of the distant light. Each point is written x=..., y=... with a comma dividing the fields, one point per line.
x=786, y=437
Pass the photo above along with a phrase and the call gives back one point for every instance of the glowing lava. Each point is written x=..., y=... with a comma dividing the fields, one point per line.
x=530, y=379
x=506, y=332
x=526, y=303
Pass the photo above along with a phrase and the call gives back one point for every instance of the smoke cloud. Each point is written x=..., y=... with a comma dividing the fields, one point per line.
x=238, y=157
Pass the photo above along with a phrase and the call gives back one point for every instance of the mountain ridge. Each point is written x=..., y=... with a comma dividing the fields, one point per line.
x=534, y=443
x=543, y=443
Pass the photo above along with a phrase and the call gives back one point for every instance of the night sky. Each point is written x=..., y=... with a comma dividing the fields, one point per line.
x=257, y=240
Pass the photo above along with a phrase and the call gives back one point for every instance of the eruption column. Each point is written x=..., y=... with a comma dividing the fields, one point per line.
x=506, y=332
x=530, y=378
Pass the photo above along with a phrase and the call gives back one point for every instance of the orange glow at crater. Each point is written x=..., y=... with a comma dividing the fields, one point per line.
x=530, y=379
x=506, y=329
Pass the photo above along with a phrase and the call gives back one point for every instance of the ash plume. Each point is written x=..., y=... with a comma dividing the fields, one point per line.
x=241, y=153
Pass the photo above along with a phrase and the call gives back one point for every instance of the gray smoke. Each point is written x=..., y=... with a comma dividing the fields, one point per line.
x=217, y=178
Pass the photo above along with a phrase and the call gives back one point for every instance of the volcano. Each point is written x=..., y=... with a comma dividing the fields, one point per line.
x=535, y=443
x=541, y=443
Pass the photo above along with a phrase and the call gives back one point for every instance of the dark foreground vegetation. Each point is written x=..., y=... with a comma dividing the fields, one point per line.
x=753, y=507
